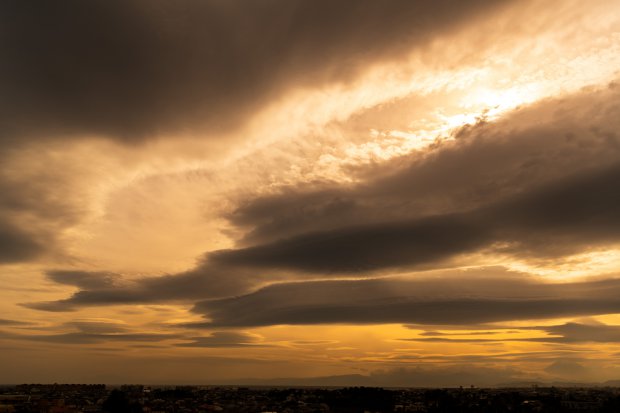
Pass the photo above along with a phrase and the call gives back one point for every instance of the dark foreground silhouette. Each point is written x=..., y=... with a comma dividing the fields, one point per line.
x=74, y=398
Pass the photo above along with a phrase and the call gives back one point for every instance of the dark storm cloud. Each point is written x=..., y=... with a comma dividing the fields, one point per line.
x=463, y=298
x=132, y=69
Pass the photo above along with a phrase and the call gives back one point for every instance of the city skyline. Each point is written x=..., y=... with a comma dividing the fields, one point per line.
x=200, y=192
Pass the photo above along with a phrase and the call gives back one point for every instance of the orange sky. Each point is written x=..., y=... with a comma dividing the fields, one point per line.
x=402, y=193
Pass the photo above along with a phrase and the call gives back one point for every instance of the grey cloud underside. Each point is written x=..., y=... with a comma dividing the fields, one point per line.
x=32, y=214
x=136, y=69
x=556, y=219
x=85, y=280
x=462, y=298
x=18, y=245
x=196, y=284
x=364, y=248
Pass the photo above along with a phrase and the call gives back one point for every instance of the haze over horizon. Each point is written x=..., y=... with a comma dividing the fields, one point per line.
x=208, y=191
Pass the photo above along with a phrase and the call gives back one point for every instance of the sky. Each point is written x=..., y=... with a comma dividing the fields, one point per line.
x=395, y=193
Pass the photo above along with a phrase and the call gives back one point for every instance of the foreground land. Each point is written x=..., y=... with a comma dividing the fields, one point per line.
x=74, y=398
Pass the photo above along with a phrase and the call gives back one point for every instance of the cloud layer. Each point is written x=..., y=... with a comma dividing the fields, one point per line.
x=462, y=298
x=559, y=202
x=144, y=68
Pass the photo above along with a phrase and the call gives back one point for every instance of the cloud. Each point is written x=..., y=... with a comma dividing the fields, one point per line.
x=90, y=331
x=97, y=326
x=364, y=248
x=541, y=185
x=205, y=281
x=137, y=69
x=559, y=218
x=568, y=333
x=461, y=298
x=469, y=333
x=89, y=337
x=5, y=322
x=40, y=200
x=86, y=280
x=486, y=163
x=17, y=244
x=154, y=70
x=97, y=331
x=551, y=150
x=582, y=333
x=224, y=339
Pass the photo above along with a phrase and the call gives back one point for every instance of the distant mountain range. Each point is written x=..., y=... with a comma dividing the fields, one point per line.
x=349, y=380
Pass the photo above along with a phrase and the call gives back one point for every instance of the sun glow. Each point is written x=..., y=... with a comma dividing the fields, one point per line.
x=496, y=101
